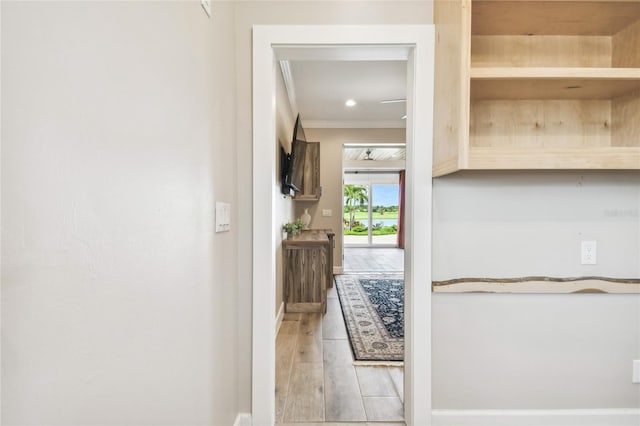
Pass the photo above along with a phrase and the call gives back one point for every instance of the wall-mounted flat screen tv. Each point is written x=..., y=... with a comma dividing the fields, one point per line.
x=295, y=174
x=285, y=160
x=296, y=165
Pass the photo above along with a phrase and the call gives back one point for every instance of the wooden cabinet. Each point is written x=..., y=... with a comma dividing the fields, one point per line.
x=536, y=85
x=310, y=190
x=308, y=270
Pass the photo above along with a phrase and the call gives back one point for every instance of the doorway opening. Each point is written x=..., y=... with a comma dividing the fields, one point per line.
x=415, y=43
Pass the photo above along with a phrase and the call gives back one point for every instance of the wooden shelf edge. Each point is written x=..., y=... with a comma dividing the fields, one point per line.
x=540, y=73
x=306, y=198
x=614, y=158
x=553, y=83
x=445, y=168
x=539, y=285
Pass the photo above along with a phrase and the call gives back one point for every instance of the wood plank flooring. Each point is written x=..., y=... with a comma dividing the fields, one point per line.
x=317, y=383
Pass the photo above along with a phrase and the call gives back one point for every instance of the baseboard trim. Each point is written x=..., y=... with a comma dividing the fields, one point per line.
x=338, y=270
x=243, y=419
x=586, y=417
x=279, y=317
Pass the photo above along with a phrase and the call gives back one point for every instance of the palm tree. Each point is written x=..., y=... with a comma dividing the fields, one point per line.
x=354, y=196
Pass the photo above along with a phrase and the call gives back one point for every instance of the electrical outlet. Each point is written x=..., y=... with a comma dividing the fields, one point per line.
x=588, y=252
x=636, y=371
x=326, y=212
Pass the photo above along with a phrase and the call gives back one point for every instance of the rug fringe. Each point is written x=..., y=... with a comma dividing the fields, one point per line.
x=379, y=363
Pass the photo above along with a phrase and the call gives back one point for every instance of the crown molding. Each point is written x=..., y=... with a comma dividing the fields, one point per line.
x=285, y=67
x=336, y=124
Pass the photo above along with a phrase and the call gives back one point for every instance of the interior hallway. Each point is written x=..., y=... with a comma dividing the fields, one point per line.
x=316, y=381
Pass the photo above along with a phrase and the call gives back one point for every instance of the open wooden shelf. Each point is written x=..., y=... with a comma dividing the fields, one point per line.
x=546, y=84
x=553, y=83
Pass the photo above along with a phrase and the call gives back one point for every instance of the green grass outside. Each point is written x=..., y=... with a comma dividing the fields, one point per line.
x=376, y=215
x=386, y=230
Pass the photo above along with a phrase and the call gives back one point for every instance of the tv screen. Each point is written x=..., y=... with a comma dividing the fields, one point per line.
x=296, y=165
x=295, y=173
x=285, y=163
x=298, y=131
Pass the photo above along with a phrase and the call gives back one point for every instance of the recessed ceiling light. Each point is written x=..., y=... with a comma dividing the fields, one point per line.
x=350, y=103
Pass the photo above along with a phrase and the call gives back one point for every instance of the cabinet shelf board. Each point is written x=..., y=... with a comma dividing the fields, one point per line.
x=596, y=73
x=502, y=17
x=621, y=158
x=553, y=83
x=306, y=198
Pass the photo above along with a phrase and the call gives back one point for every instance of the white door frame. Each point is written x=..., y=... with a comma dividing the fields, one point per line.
x=419, y=40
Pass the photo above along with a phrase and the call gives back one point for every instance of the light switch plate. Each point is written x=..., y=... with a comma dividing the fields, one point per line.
x=636, y=371
x=223, y=217
x=326, y=212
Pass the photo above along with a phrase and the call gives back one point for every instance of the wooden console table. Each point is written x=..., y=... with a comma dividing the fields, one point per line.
x=308, y=270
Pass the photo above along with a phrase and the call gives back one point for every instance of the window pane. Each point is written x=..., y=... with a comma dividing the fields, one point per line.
x=385, y=201
x=356, y=214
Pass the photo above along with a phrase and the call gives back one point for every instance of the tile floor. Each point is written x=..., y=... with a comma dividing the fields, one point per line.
x=375, y=259
x=317, y=383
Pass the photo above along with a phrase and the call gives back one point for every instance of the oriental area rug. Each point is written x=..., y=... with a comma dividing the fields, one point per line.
x=373, y=309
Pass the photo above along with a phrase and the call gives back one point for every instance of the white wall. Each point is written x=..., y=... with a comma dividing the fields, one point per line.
x=118, y=299
x=535, y=351
x=514, y=224
x=331, y=147
x=532, y=351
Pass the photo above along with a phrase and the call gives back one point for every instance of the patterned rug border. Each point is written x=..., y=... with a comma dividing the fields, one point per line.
x=395, y=353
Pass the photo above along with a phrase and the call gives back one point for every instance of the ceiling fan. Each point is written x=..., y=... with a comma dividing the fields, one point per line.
x=368, y=152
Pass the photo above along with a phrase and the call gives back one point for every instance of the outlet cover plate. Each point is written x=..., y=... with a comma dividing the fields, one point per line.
x=588, y=252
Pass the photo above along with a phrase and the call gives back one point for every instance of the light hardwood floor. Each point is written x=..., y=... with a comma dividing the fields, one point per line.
x=317, y=383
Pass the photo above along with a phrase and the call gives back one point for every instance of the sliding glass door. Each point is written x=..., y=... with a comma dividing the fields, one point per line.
x=356, y=213
x=371, y=209
x=384, y=214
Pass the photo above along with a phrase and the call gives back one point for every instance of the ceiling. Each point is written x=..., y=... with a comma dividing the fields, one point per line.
x=318, y=90
x=374, y=152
